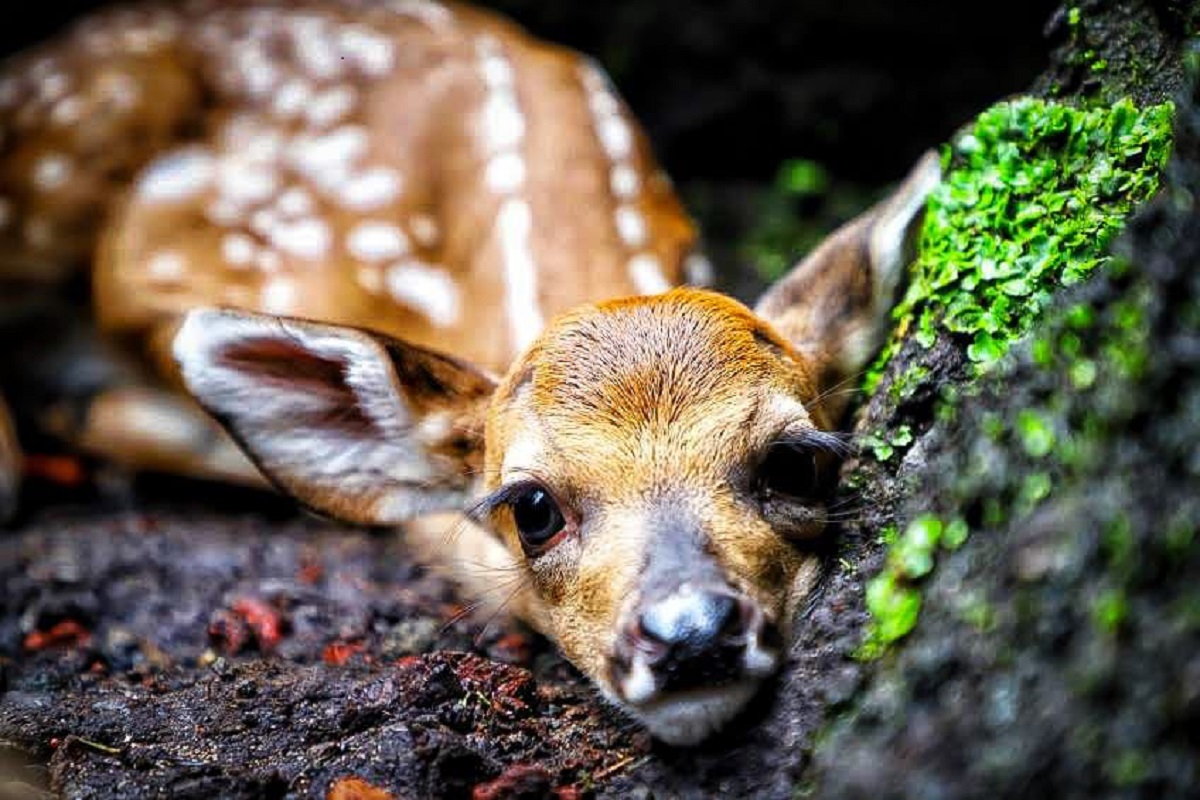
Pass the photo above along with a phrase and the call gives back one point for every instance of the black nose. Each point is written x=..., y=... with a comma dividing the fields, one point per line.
x=693, y=638
x=691, y=623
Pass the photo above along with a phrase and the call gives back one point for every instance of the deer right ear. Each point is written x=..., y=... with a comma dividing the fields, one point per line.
x=353, y=424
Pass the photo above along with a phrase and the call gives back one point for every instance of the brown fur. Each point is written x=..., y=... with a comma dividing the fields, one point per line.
x=641, y=405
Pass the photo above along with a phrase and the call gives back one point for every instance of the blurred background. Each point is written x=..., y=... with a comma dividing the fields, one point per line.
x=777, y=119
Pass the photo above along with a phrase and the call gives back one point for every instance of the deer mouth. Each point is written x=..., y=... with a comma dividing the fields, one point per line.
x=692, y=662
x=689, y=717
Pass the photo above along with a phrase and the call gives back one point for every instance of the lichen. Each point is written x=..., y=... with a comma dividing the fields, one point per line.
x=1034, y=193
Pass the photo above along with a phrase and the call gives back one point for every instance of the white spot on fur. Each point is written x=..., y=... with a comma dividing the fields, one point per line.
x=497, y=72
x=624, y=181
x=315, y=47
x=52, y=172
x=295, y=202
x=238, y=249
x=631, y=226
x=647, y=275
x=245, y=183
x=371, y=189
x=513, y=223
x=166, y=267
x=371, y=51
x=177, y=176
x=505, y=173
x=429, y=290
x=223, y=212
x=307, y=239
x=615, y=137
x=376, y=241
x=330, y=106
x=67, y=111
x=326, y=160
x=264, y=220
x=278, y=296
x=53, y=87
x=291, y=99
x=424, y=229
x=433, y=15
x=502, y=123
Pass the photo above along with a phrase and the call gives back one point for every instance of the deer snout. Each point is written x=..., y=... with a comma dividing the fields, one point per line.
x=692, y=638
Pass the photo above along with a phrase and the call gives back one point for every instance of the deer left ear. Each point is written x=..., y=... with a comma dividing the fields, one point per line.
x=833, y=306
x=353, y=424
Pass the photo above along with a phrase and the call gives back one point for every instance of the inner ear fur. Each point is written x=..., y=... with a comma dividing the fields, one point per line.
x=353, y=424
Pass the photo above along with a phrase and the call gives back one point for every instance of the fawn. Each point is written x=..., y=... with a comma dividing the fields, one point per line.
x=424, y=270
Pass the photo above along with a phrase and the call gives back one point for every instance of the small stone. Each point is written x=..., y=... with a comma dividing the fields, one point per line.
x=410, y=637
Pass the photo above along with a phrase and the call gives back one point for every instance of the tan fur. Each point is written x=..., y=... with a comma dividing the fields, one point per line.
x=647, y=418
x=670, y=410
x=87, y=116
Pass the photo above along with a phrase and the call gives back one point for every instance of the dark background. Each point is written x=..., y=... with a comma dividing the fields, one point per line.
x=727, y=90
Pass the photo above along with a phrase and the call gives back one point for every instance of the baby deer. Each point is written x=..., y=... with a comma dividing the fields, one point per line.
x=641, y=483
x=296, y=184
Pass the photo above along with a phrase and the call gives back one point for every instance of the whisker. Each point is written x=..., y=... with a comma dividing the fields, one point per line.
x=499, y=610
x=475, y=603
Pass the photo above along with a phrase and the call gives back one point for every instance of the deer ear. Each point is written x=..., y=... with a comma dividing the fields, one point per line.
x=833, y=306
x=353, y=424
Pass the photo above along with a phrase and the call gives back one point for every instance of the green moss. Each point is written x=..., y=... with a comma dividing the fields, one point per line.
x=893, y=596
x=1033, y=194
x=1036, y=431
x=1130, y=768
x=1111, y=610
x=884, y=447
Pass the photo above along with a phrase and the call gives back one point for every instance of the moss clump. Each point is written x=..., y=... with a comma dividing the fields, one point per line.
x=1034, y=192
x=892, y=596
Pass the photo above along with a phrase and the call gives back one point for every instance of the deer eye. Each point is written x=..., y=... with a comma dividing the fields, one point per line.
x=788, y=471
x=537, y=516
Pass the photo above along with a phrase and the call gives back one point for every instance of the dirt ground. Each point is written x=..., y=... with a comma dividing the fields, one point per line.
x=172, y=649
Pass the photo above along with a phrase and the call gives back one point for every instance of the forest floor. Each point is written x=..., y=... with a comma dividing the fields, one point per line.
x=171, y=649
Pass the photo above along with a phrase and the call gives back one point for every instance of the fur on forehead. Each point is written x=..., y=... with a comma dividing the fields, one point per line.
x=655, y=357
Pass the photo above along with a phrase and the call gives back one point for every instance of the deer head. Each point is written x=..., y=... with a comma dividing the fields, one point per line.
x=655, y=466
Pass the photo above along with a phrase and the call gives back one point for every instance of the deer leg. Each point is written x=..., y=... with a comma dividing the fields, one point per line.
x=66, y=381
x=147, y=428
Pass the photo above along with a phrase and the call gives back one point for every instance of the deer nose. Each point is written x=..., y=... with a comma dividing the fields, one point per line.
x=691, y=638
x=690, y=624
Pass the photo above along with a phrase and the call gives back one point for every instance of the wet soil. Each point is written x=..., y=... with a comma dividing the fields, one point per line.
x=163, y=650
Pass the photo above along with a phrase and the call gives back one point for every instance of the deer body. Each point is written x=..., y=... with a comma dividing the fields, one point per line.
x=409, y=166
x=419, y=264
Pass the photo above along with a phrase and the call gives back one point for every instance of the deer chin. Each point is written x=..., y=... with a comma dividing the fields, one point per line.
x=684, y=717
x=689, y=717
